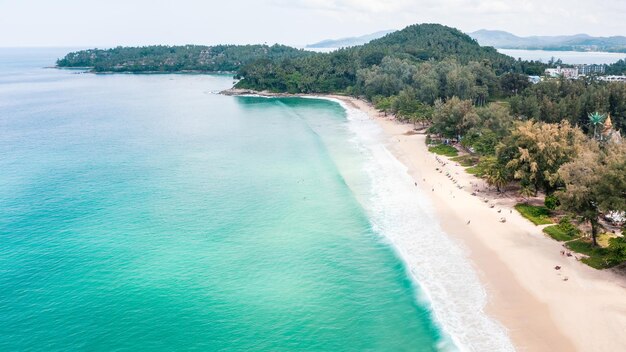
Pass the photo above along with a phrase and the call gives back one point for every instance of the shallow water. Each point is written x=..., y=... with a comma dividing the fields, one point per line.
x=144, y=212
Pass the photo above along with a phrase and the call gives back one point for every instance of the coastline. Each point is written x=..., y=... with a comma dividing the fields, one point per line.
x=515, y=262
x=90, y=69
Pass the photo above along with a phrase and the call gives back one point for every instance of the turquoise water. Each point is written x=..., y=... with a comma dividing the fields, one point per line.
x=144, y=212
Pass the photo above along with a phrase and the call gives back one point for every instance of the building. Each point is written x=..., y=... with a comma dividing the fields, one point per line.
x=613, y=78
x=567, y=72
x=534, y=79
x=552, y=72
x=586, y=70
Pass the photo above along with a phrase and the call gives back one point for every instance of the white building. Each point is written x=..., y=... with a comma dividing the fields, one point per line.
x=613, y=78
x=591, y=69
x=567, y=72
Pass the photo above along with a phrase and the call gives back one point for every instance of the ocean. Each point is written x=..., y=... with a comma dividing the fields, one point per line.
x=147, y=212
x=568, y=57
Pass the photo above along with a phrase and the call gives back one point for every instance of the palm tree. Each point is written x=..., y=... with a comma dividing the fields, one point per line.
x=495, y=174
x=596, y=119
x=497, y=178
x=528, y=192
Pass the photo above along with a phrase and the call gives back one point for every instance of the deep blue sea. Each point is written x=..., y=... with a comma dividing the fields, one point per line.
x=148, y=213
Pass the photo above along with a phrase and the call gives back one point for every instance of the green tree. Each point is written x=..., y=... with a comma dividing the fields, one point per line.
x=454, y=118
x=513, y=83
x=595, y=182
x=596, y=120
x=494, y=124
x=495, y=173
x=535, y=151
x=617, y=250
x=384, y=104
x=427, y=83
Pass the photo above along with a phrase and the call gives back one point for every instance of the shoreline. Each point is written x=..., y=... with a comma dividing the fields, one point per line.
x=576, y=308
x=514, y=260
x=90, y=69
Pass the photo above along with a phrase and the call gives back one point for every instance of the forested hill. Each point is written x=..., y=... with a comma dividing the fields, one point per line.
x=578, y=42
x=161, y=58
x=435, y=41
x=343, y=69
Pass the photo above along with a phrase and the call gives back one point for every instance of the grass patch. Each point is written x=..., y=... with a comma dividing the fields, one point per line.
x=559, y=234
x=466, y=160
x=596, y=262
x=581, y=246
x=597, y=256
x=539, y=215
x=444, y=149
x=477, y=170
x=563, y=231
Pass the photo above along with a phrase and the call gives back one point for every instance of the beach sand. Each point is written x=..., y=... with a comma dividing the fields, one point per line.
x=576, y=308
x=540, y=310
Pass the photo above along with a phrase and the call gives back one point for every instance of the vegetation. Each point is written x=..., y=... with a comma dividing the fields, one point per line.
x=554, y=137
x=436, y=61
x=595, y=182
x=617, y=250
x=597, y=257
x=534, y=151
x=405, y=107
x=476, y=170
x=557, y=233
x=539, y=215
x=563, y=231
x=160, y=58
x=466, y=160
x=617, y=68
x=553, y=101
x=551, y=202
x=444, y=149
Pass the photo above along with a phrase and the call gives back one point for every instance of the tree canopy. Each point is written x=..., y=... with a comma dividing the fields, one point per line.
x=385, y=65
x=595, y=182
x=160, y=58
x=553, y=136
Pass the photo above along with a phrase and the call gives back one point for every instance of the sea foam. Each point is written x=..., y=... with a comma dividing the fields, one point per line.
x=438, y=265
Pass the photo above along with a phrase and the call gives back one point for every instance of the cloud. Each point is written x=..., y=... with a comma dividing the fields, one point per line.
x=523, y=17
x=361, y=6
x=397, y=6
x=44, y=22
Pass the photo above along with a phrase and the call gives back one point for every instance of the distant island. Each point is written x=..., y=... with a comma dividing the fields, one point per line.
x=348, y=42
x=578, y=42
x=189, y=58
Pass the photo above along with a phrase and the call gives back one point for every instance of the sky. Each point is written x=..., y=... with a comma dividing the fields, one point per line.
x=106, y=23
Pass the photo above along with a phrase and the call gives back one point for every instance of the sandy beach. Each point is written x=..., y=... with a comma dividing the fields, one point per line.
x=576, y=308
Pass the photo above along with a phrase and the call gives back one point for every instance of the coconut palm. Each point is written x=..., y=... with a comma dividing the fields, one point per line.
x=596, y=119
x=495, y=174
